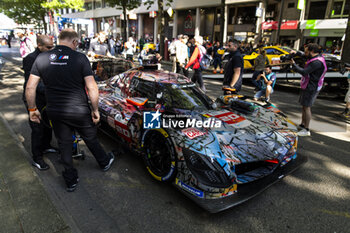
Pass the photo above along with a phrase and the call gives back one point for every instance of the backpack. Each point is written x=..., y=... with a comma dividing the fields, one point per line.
x=205, y=60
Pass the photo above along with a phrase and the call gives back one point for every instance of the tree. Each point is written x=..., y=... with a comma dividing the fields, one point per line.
x=345, y=56
x=161, y=20
x=124, y=5
x=24, y=11
x=55, y=5
x=222, y=22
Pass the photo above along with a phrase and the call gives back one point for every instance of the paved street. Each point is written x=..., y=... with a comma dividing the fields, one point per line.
x=316, y=198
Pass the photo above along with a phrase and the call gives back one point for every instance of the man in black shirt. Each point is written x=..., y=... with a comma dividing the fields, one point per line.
x=41, y=133
x=234, y=68
x=66, y=74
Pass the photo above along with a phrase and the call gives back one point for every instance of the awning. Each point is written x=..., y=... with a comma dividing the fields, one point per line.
x=324, y=24
x=273, y=25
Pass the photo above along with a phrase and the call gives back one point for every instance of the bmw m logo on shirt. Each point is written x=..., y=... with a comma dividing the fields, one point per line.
x=151, y=120
x=53, y=57
x=64, y=57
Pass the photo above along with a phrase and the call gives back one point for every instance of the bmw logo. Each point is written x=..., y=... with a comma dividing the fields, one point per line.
x=53, y=57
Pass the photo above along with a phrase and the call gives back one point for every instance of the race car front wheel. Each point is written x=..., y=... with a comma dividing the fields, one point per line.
x=160, y=158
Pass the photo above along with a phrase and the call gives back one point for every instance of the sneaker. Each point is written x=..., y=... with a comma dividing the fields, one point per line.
x=267, y=100
x=72, y=187
x=221, y=71
x=111, y=160
x=214, y=71
x=40, y=164
x=304, y=132
x=50, y=150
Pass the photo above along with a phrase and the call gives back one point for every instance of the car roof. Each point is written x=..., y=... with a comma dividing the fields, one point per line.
x=161, y=76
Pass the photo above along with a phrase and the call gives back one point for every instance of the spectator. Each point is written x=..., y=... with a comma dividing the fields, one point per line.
x=234, y=68
x=68, y=81
x=172, y=52
x=311, y=83
x=118, y=46
x=130, y=48
x=111, y=43
x=25, y=45
x=41, y=134
x=259, y=65
x=99, y=47
x=268, y=80
x=195, y=58
x=8, y=39
x=182, y=55
x=217, y=53
x=143, y=55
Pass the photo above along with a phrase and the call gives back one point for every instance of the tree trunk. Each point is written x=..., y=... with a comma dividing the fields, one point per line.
x=345, y=56
x=124, y=25
x=222, y=21
x=160, y=27
x=44, y=23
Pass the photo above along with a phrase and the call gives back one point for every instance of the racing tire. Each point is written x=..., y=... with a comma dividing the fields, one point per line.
x=159, y=155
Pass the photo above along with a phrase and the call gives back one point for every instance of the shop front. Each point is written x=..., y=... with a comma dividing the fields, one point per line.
x=328, y=32
x=288, y=33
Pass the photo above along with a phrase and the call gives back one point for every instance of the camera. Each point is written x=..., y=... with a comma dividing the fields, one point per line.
x=291, y=56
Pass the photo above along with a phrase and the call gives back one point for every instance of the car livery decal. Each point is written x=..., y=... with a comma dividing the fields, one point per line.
x=229, y=118
x=190, y=189
x=192, y=133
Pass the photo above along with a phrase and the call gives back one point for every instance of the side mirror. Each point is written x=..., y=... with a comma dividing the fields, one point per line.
x=137, y=101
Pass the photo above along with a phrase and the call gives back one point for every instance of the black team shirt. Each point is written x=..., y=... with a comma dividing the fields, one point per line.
x=63, y=70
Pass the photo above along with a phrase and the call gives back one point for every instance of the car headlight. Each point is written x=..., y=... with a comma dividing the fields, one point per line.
x=206, y=171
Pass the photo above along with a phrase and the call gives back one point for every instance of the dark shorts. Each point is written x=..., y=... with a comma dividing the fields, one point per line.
x=307, y=98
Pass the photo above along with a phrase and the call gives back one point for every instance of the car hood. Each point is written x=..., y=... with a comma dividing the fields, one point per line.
x=258, y=134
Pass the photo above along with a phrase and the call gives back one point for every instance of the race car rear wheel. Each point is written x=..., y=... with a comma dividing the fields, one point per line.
x=160, y=158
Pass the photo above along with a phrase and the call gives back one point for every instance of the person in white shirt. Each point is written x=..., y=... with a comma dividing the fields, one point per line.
x=182, y=55
x=130, y=48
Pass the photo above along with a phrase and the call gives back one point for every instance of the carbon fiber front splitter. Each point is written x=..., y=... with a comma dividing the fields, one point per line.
x=246, y=191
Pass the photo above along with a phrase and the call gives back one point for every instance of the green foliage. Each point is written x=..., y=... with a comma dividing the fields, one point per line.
x=23, y=11
x=121, y=4
x=149, y=3
x=60, y=4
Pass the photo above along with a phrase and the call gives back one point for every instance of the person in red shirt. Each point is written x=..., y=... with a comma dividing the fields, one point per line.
x=194, y=60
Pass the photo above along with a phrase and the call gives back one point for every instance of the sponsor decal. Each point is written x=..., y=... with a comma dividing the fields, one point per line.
x=63, y=57
x=230, y=118
x=192, y=133
x=151, y=120
x=52, y=57
x=190, y=189
x=123, y=131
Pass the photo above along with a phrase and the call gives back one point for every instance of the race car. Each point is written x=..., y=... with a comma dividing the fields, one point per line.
x=219, y=154
x=105, y=67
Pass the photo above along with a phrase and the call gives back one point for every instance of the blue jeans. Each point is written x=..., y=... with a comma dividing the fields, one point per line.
x=256, y=83
x=217, y=61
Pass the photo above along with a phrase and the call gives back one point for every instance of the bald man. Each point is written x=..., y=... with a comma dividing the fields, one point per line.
x=41, y=134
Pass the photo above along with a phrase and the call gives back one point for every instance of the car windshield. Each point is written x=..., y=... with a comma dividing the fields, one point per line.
x=287, y=49
x=186, y=96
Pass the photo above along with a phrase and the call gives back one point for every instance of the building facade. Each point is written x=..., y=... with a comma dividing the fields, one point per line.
x=321, y=21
